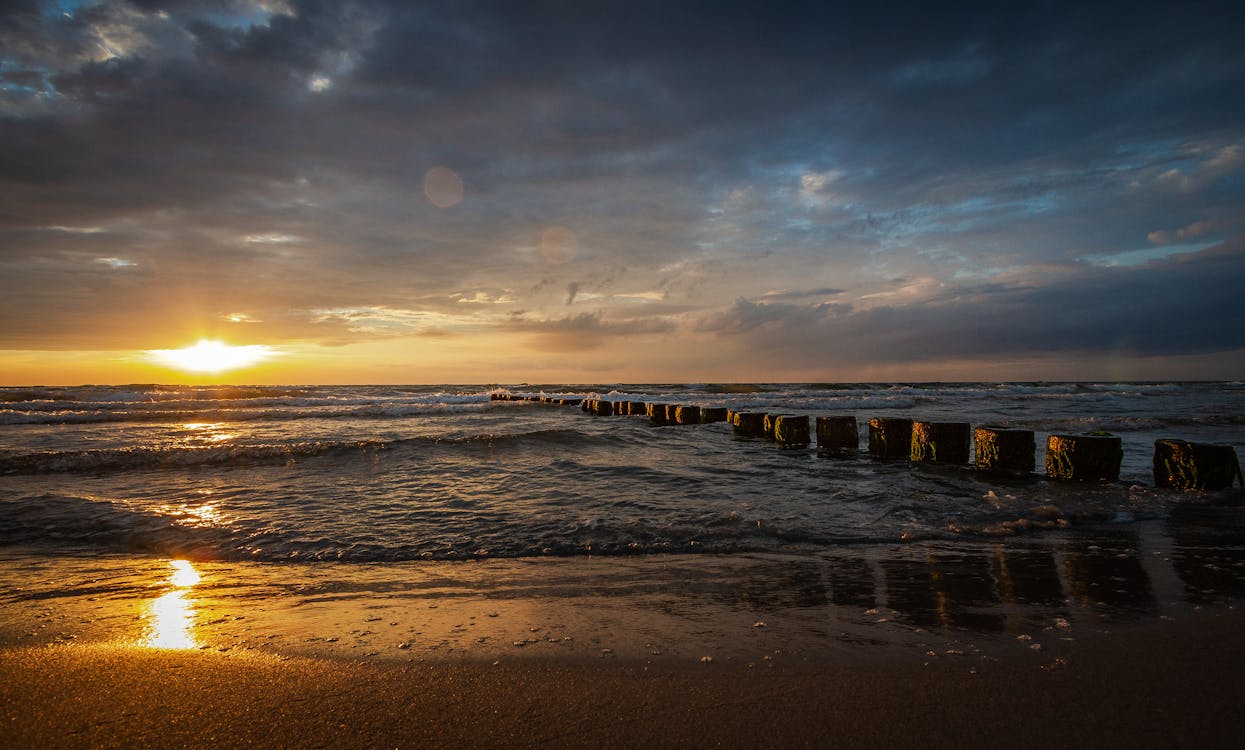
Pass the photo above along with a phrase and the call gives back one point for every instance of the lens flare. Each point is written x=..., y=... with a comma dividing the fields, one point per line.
x=443, y=187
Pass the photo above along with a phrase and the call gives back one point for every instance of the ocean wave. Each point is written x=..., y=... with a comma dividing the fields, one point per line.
x=82, y=522
x=181, y=456
x=78, y=522
x=121, y=459
x=274, y=411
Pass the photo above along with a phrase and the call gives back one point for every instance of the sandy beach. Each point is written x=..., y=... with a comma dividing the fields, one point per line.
x=1160, y=684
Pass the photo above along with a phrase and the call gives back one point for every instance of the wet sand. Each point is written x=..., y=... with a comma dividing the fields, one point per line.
x=1157, y=684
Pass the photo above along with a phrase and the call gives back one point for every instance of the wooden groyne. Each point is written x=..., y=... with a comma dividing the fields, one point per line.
x=1088, y=457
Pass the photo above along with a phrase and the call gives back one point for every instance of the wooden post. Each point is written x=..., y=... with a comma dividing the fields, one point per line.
x=603, y=409
x=791, y=431
x=890, y=437
x=749, y=424
x=711, y=414
x=1195, y=466
x=940, y=442
x=687, y=415
x=770, y=420
x=1003, y=451
x=1094, y=457
x=657, y=415
x=837, y=435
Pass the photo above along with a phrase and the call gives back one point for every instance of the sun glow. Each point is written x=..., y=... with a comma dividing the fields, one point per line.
x=211, y=356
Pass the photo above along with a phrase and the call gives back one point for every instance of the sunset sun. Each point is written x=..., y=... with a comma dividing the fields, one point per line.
x=211, y=356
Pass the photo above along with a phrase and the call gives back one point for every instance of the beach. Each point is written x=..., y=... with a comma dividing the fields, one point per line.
x=420, y=566
x=1169, y=684
x=1136, y=646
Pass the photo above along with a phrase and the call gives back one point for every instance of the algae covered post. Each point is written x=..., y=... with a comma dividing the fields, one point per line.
x=791, y=431
x=1195, y=466
x=890, y=437
x=1004, y=451
x=1092, y=457
x=837, y=435
x=749, y=424
x=940, y=442
x=687, y=414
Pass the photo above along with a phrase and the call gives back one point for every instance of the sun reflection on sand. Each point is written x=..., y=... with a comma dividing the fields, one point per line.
x=172, y=616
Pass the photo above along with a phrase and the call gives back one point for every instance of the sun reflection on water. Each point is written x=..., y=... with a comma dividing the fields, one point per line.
x=209, y=432
x=172, y=615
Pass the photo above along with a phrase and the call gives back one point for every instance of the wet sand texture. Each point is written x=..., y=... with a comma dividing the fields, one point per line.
x=1165, y=686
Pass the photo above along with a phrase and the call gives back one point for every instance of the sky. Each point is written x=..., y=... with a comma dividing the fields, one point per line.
x=599, y=192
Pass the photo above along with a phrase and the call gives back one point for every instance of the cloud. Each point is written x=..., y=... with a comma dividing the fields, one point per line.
x=585, y=331
x=732, y=170
x=745, y=316
x=1143, y=310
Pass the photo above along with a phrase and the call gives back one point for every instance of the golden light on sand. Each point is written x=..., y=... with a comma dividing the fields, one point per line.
x=184, y=574
x=172, y=617
x=211, y=356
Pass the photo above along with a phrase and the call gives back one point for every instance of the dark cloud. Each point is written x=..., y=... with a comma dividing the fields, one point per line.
x=269, y=158
x=1144, y=311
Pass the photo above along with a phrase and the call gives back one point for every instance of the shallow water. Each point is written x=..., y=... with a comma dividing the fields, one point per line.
x=434, y=522
x=387, y=474
x=965, y=602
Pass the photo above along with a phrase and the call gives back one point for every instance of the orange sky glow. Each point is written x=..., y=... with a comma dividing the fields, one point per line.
x=815, y=194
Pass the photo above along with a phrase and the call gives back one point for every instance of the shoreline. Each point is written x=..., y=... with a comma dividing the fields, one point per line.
x=1155, y=684
x=989, y=598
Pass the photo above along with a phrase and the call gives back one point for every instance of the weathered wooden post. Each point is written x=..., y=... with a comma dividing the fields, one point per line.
x=940, y=442
x=890, y=437
x=749, y=424
x=1093, y=457
x=687, y=415
x=711, y=414
x=1195, y=466
x=603, y=408
x=657, y=415
x=837, y=435
x=1004, y=451
x=770, y=420
x=791, y=431
x=637, y=408
x=672, y=411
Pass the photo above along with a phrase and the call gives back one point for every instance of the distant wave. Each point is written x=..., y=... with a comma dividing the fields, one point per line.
x=177, y=457
x=266, y=410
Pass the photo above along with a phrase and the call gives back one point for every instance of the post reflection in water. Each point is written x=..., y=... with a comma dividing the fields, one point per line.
x=172, y=616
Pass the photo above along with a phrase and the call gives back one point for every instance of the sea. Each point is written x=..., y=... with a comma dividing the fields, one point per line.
x=285, y=497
